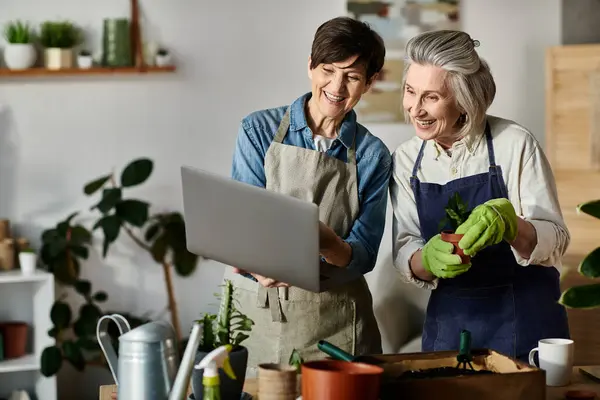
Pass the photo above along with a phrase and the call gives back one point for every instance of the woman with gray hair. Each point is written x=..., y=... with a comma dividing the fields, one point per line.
x=506, y=294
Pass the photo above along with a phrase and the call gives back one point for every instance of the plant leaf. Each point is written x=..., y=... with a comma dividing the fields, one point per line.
x=100, y=296
x=88, y=318
x=95, y=185
x=73, y=354
x=185, y=262
x=133, y=211
x=590, y=266
x=585, y=296
x=80, y=251
x=136, y=172
x=110, y=198
x=60, y=314
x=159, y=248
x=591, y=208
x=80, y=235
x=111, y=226
x=83, y=287
x=51, y=361
x=151, y=232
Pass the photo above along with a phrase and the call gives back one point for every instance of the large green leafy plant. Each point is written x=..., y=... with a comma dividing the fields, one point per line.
x=586, y=296
x=66, y=246
x=229, y=326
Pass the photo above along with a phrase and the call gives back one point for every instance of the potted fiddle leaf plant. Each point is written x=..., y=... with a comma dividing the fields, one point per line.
x=457, y=212
x=588, y=295
x=19, y=52
x=230, y=327
x=59, y=38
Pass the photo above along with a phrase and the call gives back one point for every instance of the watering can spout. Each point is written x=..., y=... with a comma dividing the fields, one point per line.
x=179, y=391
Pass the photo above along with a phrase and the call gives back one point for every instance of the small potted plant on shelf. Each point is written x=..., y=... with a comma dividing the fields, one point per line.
x=58, y=39
x=19, y=52
x=27, y=261
x=231, y=327
x=163, y=57
x=457, y=212
x=85, y=59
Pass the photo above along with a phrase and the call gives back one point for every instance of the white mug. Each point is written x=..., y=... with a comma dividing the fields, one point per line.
x=556, y=358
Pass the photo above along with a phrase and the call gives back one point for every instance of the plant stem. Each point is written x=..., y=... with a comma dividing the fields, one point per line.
x=168, y=282
x=167, y=275
x=171, y=297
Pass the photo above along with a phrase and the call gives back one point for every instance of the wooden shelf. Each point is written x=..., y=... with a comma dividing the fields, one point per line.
x=4, y=72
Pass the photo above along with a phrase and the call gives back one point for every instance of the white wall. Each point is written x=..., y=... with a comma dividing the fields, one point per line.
x=234, y=57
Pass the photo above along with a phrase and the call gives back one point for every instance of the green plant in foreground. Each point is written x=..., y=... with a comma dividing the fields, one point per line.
x=586, y=296
x=229, y=326
x=18, y=32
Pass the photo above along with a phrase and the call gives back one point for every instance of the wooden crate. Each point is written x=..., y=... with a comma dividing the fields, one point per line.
x=512, y=380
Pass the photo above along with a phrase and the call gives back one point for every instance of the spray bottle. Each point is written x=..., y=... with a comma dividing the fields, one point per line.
x=218, y=358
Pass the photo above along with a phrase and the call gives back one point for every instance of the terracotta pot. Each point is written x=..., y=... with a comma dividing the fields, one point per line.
x=450, y=237
x=340, y=380
x=15, y=338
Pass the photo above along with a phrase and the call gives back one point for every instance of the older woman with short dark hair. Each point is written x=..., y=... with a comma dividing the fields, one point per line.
x=507, y=294
x=315, y=150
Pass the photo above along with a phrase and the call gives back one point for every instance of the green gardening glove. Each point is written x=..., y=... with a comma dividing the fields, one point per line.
x=487, y=225
x=438, y=259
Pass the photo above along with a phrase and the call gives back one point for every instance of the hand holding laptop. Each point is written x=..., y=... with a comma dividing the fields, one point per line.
x=263, y=280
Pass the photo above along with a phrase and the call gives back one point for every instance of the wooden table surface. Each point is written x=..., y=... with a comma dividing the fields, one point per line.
x=578, y=382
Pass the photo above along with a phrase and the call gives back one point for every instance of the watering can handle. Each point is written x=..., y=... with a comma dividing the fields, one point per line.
x=104, y=339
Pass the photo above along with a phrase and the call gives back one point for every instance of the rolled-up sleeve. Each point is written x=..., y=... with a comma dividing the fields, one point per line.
x=540, y=206
x=248, y=158
x=367, y=230
x=406, y=233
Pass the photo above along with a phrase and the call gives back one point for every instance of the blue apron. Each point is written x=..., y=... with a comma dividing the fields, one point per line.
x=506, y=307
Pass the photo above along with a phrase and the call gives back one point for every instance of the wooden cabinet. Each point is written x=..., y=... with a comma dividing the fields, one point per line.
x=573, y=149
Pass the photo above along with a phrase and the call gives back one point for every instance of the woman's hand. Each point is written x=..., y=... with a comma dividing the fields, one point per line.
x=488, y=224
x=264, y=281
x=336, y=251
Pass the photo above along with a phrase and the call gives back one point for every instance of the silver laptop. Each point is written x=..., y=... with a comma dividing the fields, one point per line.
x=257, y=230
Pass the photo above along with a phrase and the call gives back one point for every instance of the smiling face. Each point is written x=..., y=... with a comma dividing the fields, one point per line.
x=337, y=87
x=430, y=104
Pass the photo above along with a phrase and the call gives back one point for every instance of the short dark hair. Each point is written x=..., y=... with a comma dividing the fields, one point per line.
x=343, y=37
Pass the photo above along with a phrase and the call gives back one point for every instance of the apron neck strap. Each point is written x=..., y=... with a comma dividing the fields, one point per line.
x=283, y=129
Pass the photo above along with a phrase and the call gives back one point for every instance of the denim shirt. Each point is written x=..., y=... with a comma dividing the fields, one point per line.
x=373, y=159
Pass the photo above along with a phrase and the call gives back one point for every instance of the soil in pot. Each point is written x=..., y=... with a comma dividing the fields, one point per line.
x=441, y=372
x=230, y=389
x=451, y=237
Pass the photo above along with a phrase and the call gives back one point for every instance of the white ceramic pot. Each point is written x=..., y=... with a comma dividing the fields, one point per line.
x=55, y=58
x=28, y=262
x=85, y=62
x=163, y=60
x=19, y=55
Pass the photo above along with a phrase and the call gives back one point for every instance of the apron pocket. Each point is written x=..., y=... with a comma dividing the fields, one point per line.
x=488, y=313
x=309, y=321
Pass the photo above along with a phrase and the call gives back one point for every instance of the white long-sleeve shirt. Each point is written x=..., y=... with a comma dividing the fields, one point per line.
x=527, y=175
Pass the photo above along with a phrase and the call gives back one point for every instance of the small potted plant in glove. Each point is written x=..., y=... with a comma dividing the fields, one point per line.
x=457, y=212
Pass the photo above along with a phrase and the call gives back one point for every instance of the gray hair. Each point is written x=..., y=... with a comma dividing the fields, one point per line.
x=469, y=77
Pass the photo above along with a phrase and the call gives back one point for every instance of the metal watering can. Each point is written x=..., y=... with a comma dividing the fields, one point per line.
x=148, y=365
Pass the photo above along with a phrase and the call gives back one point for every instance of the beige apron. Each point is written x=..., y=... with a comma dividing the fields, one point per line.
x=293, y=318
